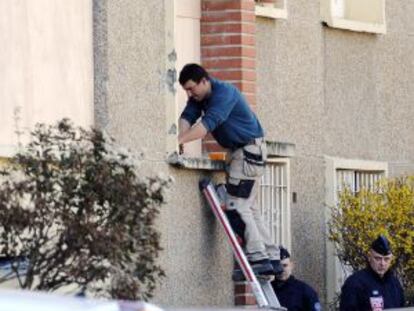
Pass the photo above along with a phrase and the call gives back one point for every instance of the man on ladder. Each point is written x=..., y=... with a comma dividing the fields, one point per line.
x=225, y=114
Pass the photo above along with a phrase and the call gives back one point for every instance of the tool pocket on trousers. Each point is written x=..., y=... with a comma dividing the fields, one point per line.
x=253, y=161
x=241, y=189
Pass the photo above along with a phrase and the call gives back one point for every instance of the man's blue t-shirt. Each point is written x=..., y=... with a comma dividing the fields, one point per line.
x=226, y=115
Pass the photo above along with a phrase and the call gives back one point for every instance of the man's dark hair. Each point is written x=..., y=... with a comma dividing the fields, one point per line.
x=192, y=72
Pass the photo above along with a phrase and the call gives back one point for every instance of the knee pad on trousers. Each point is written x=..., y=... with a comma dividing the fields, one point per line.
x=240, y=188
x=237, y=224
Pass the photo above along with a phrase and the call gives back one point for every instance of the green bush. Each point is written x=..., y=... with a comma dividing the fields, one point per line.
x=74, y=210
x=359, y=218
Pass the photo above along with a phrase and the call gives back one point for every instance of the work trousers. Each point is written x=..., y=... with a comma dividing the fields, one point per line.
x=244, y=171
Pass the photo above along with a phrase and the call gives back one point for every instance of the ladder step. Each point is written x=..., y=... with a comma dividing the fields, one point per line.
x=261, y=285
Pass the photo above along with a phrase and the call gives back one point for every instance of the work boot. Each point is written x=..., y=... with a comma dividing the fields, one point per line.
x=277, y=267
x=261, y=267
x=222, y=195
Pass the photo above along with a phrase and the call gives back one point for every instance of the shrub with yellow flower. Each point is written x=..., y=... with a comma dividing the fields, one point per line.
x=359, y=218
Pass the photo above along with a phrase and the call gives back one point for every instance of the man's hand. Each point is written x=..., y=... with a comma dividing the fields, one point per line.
x=198, y=131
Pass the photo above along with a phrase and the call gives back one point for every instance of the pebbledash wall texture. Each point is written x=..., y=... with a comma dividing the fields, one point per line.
x=331, y=92
x=334, y=93
x=339, y=96
x=131, y=83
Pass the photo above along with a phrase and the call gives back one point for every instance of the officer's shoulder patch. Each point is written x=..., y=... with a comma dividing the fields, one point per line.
x=317, y=306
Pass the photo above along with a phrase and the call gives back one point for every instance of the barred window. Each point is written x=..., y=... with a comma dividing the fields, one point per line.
x=354, y=174
x=356, y=179
x=274, y=200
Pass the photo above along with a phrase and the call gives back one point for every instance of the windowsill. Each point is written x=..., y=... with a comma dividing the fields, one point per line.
x=341, y=23
x=269, y=11
x=355, y=15
x=275, y=149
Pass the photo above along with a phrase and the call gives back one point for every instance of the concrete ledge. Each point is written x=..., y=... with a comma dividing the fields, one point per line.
x=347, y=24
x=270, y=11
x=280, y=149
x=275, y=149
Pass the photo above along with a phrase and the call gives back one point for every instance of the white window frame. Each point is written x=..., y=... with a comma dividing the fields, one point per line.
x=278, y=192
x=175, y=96
x=277, y=9
x=355, y=15
x=335, y=273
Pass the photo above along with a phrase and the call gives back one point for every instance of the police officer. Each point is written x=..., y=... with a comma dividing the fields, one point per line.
x=374, y=288
x=293, y=294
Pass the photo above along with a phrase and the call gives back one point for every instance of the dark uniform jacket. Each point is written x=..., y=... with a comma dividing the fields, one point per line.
x=296, y=295
x=362, y=287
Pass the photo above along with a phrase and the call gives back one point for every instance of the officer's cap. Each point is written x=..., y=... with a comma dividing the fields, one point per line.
x=381, y=245
x=283, y=253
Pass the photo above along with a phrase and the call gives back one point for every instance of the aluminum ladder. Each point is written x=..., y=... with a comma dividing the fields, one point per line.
x=261, y=286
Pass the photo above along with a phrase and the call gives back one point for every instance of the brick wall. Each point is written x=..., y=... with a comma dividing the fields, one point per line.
x=228, y=52
x=228, y=49
x=243, y=295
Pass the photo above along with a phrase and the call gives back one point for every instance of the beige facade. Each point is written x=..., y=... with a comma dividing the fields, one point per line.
x=46, y=65
x=338, y=93
x=332, y=92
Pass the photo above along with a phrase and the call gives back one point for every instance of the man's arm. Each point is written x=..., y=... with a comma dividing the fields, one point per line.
x=401, y=292
x=349, y=300
x=188, y=133
x=183, y=126
x=312, y=299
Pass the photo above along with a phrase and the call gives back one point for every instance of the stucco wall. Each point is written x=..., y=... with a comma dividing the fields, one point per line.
x=290, y=103
x=369, y=92
x=46, y=70
x=329, y=91
x=131, y=94
x=338, y=93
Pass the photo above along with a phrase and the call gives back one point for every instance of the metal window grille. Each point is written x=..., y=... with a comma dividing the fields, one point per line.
x=355, y=180
x=274, y=201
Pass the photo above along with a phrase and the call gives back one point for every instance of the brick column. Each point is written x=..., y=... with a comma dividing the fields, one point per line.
x=228, y=52
x=243, y=295
x=228, y=48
